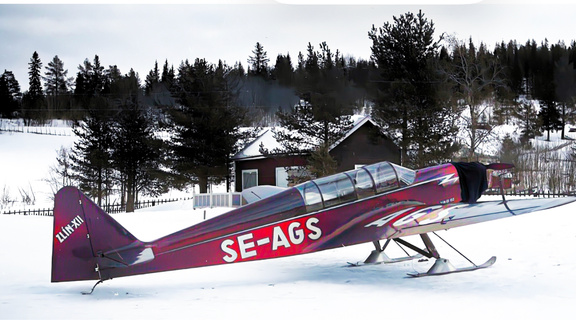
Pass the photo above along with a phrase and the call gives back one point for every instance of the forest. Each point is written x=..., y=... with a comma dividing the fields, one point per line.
x=181, y=125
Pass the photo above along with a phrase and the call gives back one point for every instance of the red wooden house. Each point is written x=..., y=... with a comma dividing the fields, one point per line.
x=362, y=145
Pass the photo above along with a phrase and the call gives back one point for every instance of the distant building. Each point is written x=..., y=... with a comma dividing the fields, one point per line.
x=362, y=145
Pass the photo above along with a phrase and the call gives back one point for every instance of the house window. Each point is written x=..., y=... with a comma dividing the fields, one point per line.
x=289, y=176
x=249, y=178
x=281, y=177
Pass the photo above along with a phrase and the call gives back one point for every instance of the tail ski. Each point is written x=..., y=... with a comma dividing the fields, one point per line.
x=87, y=243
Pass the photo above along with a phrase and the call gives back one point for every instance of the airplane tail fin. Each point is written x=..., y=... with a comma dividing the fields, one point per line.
x=88, y=243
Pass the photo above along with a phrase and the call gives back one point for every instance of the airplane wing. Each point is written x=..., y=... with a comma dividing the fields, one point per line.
x=420, y=220
x=254, y=194
x=412, y=218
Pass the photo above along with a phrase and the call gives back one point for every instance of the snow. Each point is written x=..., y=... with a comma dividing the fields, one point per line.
x=265, y=138
x=26, y=160
x=533, y=278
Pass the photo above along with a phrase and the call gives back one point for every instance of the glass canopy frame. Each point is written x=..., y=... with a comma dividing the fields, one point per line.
x=352, y=185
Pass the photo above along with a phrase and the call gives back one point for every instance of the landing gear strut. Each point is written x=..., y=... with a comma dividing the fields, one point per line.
x=441, y=266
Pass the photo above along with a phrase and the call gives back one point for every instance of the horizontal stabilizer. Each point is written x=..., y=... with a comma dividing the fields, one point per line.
x=126, y=258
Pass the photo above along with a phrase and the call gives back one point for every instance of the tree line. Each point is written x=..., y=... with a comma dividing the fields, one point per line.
x=182, y=125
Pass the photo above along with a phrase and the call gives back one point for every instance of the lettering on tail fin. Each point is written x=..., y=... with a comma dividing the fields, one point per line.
x=69, y=229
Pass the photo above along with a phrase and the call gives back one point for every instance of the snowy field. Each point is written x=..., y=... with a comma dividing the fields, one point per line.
x=533, y=279
x=25, y=162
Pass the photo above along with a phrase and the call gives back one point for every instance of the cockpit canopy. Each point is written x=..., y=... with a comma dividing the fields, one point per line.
x=356, y=184
x=317, y=194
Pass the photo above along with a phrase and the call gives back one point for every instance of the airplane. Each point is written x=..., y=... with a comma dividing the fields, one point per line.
x=377, y=202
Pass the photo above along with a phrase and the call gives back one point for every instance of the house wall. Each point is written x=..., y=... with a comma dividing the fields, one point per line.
x=266, y=169
x=365, y=146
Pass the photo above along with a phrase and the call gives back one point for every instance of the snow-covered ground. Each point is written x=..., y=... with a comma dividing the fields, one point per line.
x=532, y=280
x=26, y=159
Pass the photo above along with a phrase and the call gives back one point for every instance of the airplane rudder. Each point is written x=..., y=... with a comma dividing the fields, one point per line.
x=72, y=254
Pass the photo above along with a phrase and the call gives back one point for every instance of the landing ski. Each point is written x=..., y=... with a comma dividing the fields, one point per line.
x=394, y=260
x=431, y=272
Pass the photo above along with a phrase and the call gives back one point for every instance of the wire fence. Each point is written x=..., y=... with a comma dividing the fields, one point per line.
x=530, y=193
x=110, y=208
x=207, y=200
x=14, y=127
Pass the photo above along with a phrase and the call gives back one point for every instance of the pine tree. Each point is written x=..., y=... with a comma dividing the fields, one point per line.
x=283, y=71
x=528, y=121
x=259, y=62
x=207, y=123
x=33, y=100
x=57, y=84
x=152, y=79
x=565, y=80
x=136, y=154
x=509, y=150
x=545, y=90
x=91, y=156
x=99, y=80
x=35, y=85
x=123, y=88
x=408, y=106
x=114, y=74
x=55, y=79
x=158, y=86
x=93, y=86
x=83, y=91
x=10, y=95
x=168, y=76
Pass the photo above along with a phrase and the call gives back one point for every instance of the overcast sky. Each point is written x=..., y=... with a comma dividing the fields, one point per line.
x=136, y=34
